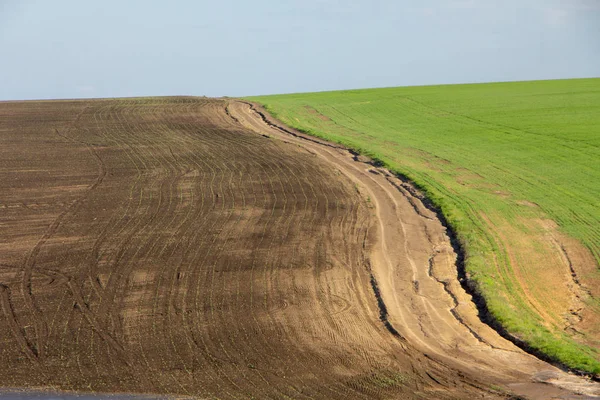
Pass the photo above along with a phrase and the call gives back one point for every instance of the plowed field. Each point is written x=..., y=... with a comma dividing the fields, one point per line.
x=184, y=246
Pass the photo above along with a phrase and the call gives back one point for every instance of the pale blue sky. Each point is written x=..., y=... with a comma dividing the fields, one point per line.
x=111, y=48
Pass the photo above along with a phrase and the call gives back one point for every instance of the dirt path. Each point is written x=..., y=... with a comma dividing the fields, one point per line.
x=414, y=266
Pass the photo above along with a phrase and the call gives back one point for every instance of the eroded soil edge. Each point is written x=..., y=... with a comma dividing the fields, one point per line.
x=479, y=311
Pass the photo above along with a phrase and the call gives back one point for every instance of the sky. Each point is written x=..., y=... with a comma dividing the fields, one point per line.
x=117, y=48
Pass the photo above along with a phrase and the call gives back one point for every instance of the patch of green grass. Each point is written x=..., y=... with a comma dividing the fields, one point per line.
x=479, y=151
x=381, y=379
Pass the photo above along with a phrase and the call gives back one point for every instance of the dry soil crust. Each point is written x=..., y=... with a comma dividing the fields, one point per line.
x=162, y=246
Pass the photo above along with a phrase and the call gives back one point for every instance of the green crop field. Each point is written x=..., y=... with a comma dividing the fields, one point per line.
x=515, y=168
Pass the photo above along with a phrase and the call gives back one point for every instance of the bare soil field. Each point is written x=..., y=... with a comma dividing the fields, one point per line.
x=192, y=247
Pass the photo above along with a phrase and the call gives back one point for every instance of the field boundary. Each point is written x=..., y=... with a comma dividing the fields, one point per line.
x=470, y=286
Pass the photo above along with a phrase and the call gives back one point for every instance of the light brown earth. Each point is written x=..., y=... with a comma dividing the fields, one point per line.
x=184, y=246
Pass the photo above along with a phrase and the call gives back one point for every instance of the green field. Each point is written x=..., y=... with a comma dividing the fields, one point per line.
x=515, y=168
